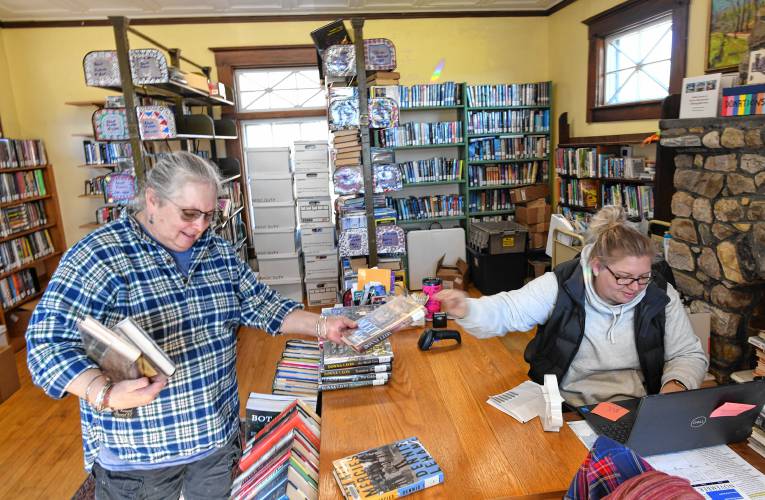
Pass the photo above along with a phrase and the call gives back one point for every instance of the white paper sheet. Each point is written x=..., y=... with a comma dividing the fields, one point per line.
x=523, y=402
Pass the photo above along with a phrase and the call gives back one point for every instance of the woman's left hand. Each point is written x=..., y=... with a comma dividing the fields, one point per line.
x=338, y=327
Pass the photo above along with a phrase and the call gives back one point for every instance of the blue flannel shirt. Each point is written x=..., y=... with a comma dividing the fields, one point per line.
x=118, y=271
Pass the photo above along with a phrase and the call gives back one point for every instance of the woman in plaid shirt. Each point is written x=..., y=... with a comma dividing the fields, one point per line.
x=161, y=265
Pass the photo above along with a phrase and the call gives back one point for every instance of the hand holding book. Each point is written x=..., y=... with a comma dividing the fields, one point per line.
x=336, y=328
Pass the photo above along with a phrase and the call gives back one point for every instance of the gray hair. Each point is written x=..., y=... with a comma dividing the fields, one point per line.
x=174, y=171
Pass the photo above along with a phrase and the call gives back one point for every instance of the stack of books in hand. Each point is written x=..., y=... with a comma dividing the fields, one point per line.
x=342, y=367
x=282, y=460
x=297, y=373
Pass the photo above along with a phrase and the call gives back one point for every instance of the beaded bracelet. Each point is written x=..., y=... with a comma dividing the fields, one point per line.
x=90, y=386
x=321, y=328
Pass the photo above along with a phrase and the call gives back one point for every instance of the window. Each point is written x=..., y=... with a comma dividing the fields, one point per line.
x=637, y=58
x=279, y=89
x=282, y=132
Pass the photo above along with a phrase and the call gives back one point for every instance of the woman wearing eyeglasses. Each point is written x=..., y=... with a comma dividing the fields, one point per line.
x=162, y=265
x=608, y=326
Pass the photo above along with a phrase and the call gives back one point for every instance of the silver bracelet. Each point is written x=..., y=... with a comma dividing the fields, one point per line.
x=98, y=405
x=90, y=386
x=321, y=328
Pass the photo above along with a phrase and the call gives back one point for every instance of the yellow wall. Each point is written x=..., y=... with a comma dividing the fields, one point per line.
x=46, y=66
x=7, y=102
x=568, y=64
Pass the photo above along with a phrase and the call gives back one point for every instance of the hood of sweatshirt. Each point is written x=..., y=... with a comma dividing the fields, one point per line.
x=600, y=305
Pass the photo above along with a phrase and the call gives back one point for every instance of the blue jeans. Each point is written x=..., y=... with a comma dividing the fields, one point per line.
x=209, y=478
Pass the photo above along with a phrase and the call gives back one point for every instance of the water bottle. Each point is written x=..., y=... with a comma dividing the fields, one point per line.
x=667, y=239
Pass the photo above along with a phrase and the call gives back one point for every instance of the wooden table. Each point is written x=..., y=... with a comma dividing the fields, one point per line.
x=440, y=397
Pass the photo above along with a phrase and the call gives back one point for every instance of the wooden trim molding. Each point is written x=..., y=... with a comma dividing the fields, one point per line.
x=155, y=21
x=619, y=18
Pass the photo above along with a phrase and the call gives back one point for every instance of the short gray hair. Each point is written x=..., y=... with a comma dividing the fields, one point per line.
x=174, y=171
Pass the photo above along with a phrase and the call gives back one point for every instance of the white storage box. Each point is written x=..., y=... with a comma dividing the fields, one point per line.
x=304, y=166
x=310, y=151
x=272, y=188
x=264, y=161
x=321, y=265
x=317, y=239
x=288, y=288
x=312, y=185
x=273, y=216
x=275, y=241
x=321, y=292
x=314, y=212
x=279, y=266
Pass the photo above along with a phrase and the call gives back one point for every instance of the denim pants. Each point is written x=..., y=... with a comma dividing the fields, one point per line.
x=209, y=478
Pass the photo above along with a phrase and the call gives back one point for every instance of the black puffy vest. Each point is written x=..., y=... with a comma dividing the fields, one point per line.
x=556, y=343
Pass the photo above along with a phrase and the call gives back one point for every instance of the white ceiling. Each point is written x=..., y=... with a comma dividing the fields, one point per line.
x=50, y=10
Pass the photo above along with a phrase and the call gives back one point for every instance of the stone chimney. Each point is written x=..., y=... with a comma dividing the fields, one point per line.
x=717, y=250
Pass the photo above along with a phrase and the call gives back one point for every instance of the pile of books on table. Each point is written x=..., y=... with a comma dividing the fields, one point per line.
x=262, y=408
x=297, y=373
x=282, y=460
x=342, y=367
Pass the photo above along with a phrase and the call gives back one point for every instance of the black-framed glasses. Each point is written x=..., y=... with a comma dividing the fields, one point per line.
x=626, y=280
x=192, y=214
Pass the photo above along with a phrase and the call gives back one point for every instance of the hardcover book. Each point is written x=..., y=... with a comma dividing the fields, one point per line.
x=378, y=325
x=391, y=471
x=340, y=356
x=124, y=352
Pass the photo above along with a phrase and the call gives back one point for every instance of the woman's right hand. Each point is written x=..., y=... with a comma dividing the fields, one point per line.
x=133, y=393
x=453, y=302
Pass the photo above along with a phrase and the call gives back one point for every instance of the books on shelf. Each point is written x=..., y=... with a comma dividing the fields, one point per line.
x=15, y=153
x=18, y=286
x=514, y=94
x=490, y=200
x=99, y=153
x=430, y=95
x=508, y=148
x=427, y=207
x=420, y=134
x=436, y=169
x=517, y=173
x=18, y=218
x=21, y=185
x=518, y=121
x=390, y=471
x=282, y=460
x=25, y=249
x=125, y=351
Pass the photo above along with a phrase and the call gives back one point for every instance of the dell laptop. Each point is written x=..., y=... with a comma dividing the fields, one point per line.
x=665, y=423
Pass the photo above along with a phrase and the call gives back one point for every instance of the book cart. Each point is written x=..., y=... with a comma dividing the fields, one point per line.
x=184, y=113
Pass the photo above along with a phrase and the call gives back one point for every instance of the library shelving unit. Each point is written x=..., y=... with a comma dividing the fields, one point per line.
x=194, y=111
x=604, y=170
x=507, y=135
x=31, y=236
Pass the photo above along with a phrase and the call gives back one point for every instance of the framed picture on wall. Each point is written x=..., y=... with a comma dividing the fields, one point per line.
x=730, y=24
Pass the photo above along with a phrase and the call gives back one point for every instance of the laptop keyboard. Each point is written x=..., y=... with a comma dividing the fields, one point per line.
x=618, y=431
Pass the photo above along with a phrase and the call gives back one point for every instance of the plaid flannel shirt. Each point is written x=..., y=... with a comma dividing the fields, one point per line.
x=119, y=270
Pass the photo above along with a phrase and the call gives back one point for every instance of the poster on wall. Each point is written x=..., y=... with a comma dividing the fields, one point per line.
x=701, y=96
x=730, y=24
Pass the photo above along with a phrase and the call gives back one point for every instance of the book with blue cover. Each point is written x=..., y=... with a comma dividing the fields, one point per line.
x=390, y=471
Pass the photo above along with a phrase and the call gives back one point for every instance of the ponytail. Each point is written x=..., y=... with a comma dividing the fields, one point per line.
x=612, y=238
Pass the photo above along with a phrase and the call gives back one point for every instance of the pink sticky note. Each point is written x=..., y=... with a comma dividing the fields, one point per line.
x=730, y=410
x=610, y=411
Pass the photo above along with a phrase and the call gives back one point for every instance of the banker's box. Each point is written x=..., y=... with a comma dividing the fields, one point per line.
x=9, y=377
x=322, y=291
x=312, y=184
x=534, y=212
x=265, y=161
x=454, y=276
x=310, y=156
x=529, y=193
x=272, y=188
x=272, y=216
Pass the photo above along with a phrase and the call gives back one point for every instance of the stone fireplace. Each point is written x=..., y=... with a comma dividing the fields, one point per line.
x=717, y=251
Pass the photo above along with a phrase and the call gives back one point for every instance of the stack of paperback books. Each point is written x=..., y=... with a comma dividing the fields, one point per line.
x=391, y=471
x=383, y=78
x=262, y=408
x=282, y=460
x=347, y=147
x=758, y=341
x=343, y=368
x=297, y=373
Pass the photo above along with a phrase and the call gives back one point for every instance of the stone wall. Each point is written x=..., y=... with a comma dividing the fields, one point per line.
x=717, y=250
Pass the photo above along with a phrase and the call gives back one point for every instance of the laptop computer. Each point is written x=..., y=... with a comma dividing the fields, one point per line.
x=664, y=423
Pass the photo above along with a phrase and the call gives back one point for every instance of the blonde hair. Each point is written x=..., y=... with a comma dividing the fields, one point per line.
x=612, y=238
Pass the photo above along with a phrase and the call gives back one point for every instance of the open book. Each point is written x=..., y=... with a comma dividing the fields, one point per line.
x=378, y=325
x=124, y=352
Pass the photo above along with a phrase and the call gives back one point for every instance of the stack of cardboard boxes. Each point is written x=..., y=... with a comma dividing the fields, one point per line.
x=317, y=233
x=532, y=210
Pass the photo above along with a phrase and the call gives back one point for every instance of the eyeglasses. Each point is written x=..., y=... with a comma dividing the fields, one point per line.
x=192, y=214
x=626, y=280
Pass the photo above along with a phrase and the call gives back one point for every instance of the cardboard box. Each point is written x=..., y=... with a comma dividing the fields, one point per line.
x=529, y=193
x=535, y=212
x=454, y=276
x=9, y=377
x=537, y=240
x=539, y=228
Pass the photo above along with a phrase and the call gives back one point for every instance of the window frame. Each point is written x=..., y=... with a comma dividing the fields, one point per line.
x=241, y=110
x=623, y=17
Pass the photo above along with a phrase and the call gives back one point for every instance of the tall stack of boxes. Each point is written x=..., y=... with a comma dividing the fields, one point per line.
x=274, y=228
x=314, y=214
x=533, y=211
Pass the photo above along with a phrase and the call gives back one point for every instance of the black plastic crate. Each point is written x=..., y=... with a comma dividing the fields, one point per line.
x=497, y=273
x=497, y=237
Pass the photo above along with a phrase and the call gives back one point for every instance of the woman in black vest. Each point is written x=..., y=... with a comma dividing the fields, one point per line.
x=607, y=324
